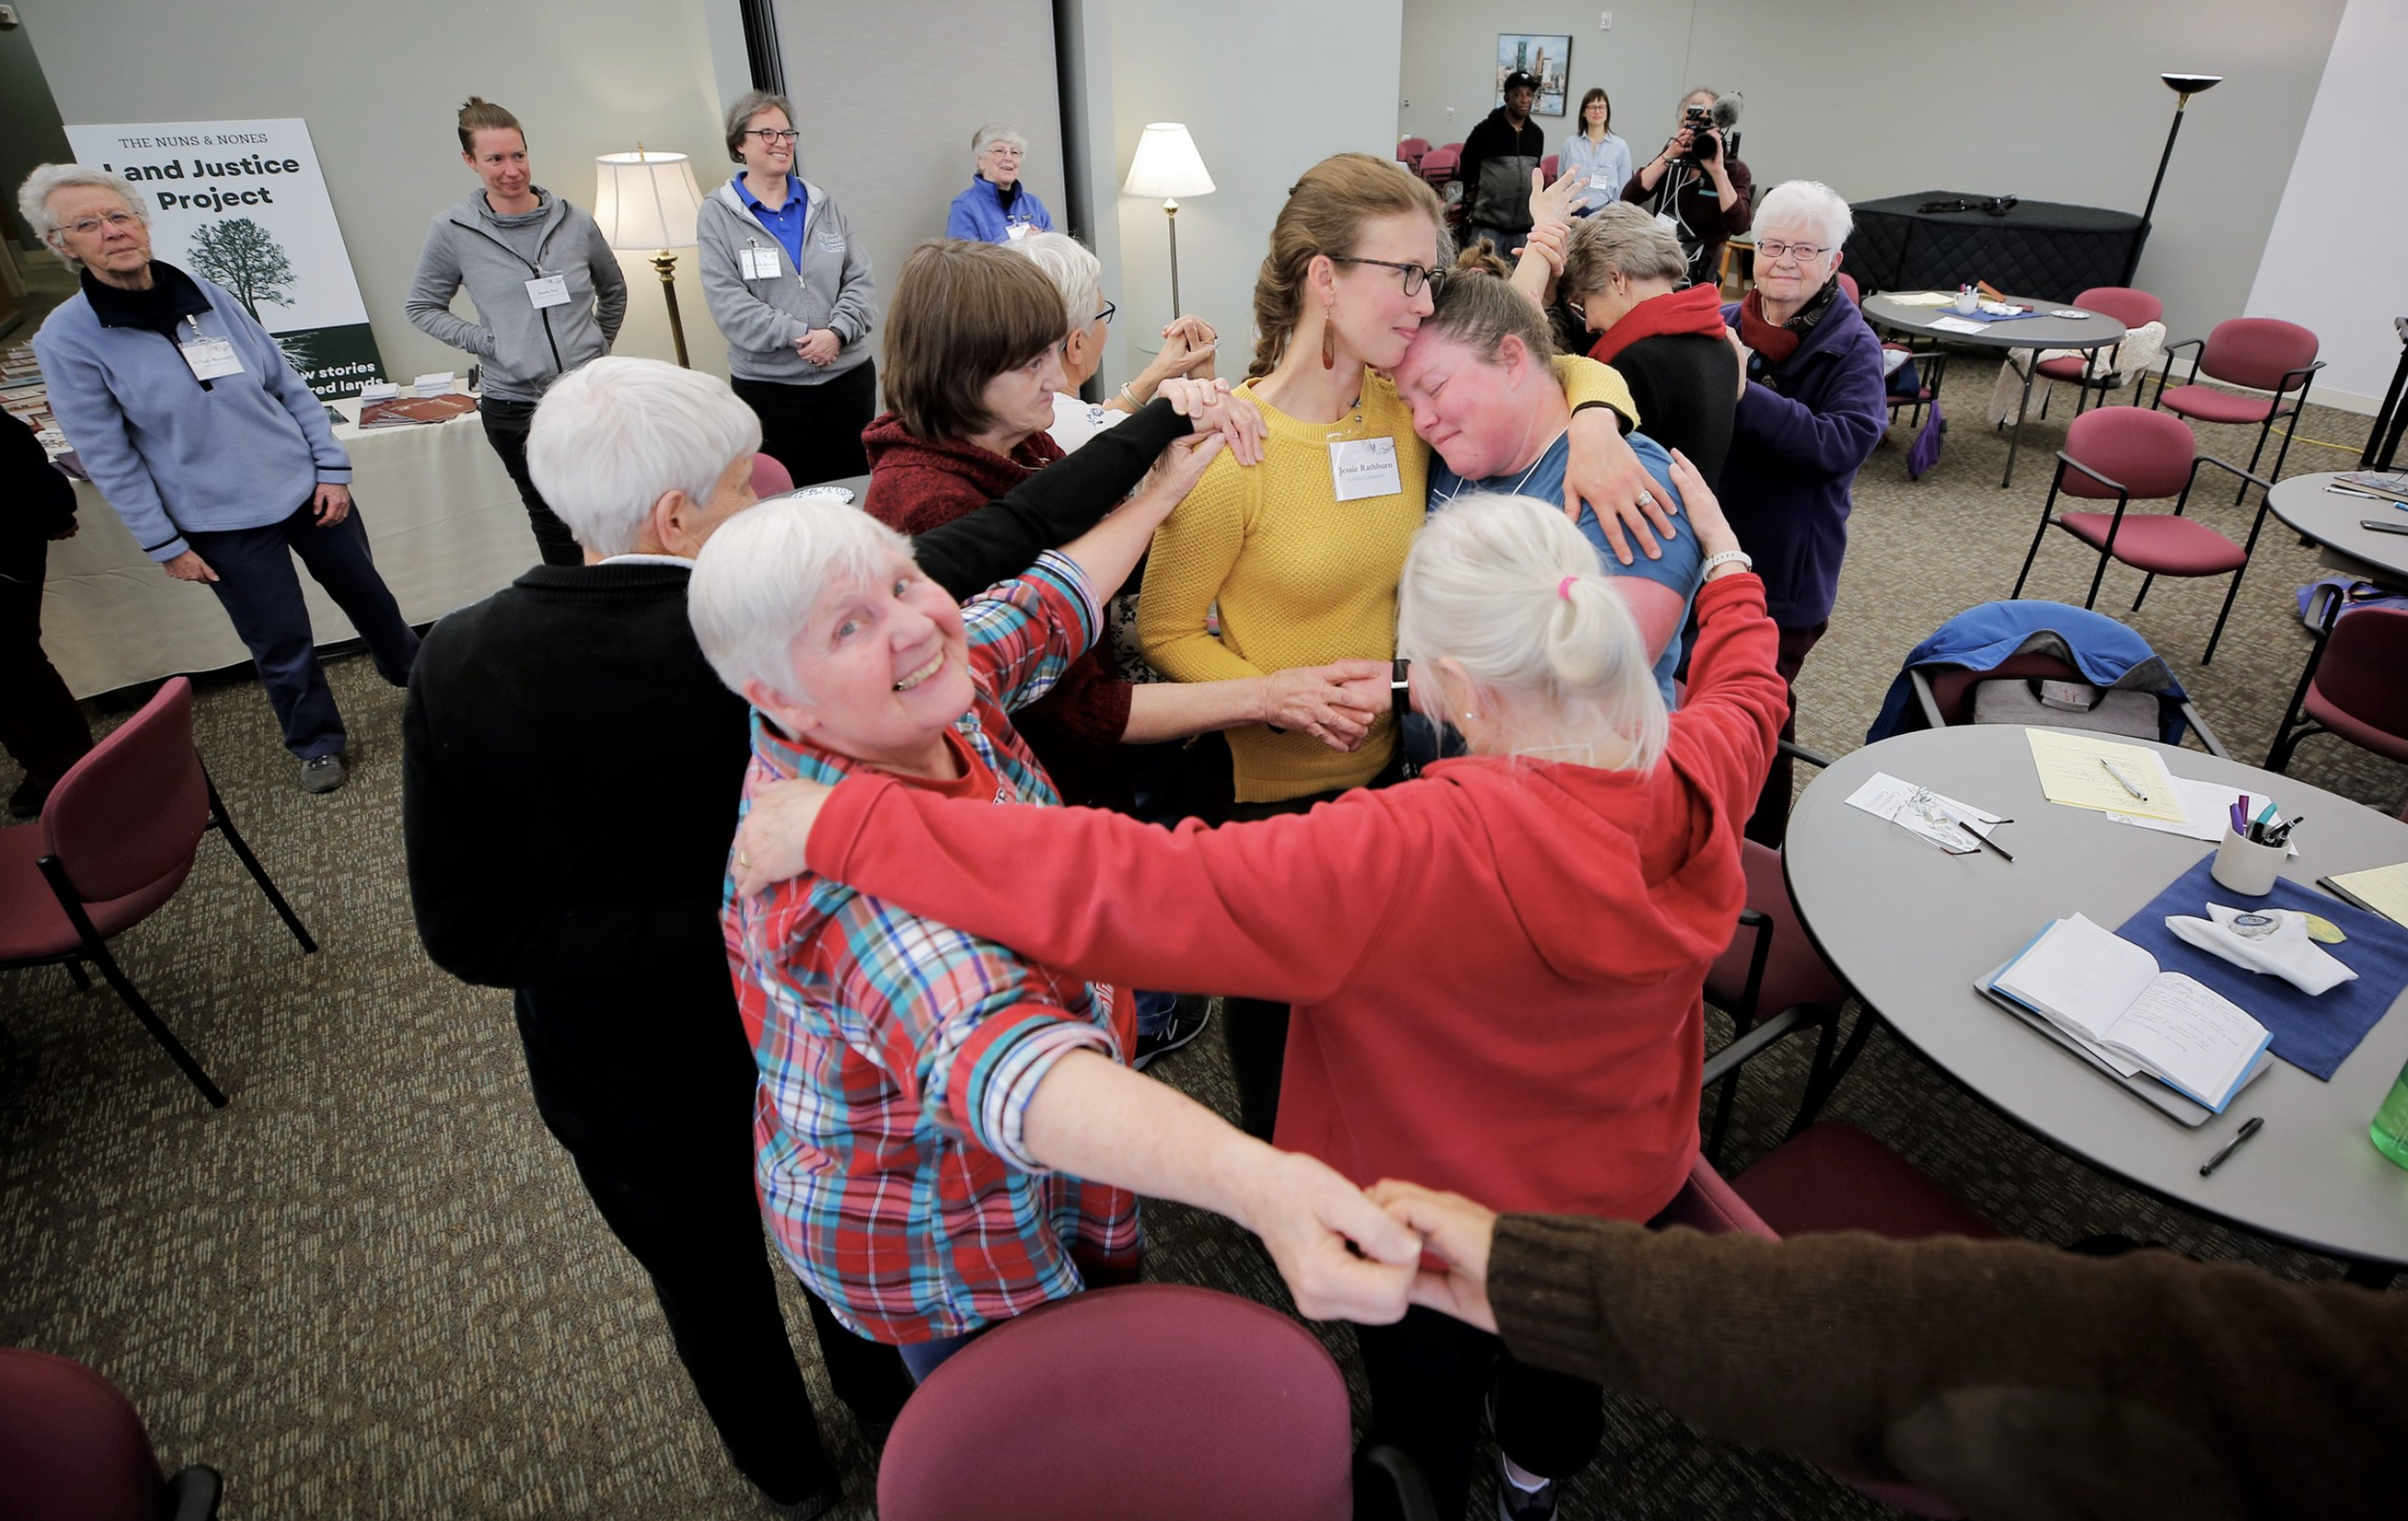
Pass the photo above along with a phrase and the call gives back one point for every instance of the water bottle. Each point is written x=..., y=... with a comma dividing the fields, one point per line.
x=2390, y=1130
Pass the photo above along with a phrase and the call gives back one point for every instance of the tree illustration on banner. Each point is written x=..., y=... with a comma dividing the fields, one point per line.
x=239, y=254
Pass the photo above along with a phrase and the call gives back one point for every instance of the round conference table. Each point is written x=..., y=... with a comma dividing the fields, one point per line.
x=2332, y=518
x=2091, y=332
x=1912, y=927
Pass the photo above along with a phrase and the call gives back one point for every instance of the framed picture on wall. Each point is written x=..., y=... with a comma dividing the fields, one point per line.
x=1545, y=58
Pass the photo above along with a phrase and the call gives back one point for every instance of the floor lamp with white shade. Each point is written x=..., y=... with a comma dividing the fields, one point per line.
x=648, y=201
x=1167, y=165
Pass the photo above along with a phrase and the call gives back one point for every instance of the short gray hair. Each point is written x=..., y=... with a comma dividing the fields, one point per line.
x=762, y=574
x=1073, y=268
x=1623, y=239
x=1808, y=202
x=33, y=201
x=1506, y=588
x=992, y=133
x=613, y=436
x=751, y=103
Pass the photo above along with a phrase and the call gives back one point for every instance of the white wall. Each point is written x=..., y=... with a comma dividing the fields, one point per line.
x=2050, y=99
x=2334, y=262
x=380, y=87
x=1268, y=89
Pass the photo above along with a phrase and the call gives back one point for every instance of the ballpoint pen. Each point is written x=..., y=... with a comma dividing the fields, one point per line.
x=2126, y=782
x=1985, y=839
x=2257, y=1122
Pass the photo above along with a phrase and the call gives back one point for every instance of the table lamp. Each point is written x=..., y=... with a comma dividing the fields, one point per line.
x=648, y=201
x=1167, y=165
x=2184, y=86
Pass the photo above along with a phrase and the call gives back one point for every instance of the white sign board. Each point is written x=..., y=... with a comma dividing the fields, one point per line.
x=243, y=203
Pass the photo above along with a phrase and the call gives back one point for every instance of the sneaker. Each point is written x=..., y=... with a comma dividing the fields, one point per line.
x=322, y=773
x=1187, y=1022
x=1517, y=1503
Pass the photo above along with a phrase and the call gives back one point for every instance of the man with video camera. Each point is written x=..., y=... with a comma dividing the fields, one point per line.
x=1697, y=185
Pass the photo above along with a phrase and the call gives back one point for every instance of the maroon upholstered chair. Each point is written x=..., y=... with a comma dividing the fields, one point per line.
x=770, y=478
x=1437, y=166
x=1175, y=1402
x=1409, y=152
x=2124, y=454
x=72, y=1449
x=1546, y=167
x=2264, y=354
x=2353, y=686
x=2134, y=308
x=116, y=840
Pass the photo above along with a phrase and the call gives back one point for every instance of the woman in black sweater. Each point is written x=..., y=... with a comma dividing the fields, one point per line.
x=39, y=723
x=1622, y=270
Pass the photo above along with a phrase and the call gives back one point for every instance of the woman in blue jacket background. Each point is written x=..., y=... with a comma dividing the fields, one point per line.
x=996, y=208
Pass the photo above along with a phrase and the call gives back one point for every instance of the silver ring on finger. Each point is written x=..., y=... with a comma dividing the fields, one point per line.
x=1647, y=499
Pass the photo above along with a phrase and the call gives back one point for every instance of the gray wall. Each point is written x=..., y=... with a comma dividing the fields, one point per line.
x=28, y=127
x=1261, y=113
x=886, y=128
x=2052, y=101
x=380, y=87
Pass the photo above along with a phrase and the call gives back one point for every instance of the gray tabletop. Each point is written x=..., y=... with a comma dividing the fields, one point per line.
x=2023, y=333
x=2331, y=518
x=1912, y=927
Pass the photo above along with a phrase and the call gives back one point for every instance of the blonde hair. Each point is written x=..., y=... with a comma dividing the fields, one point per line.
x=1507, y=588
x=1476, y=308
x=1324, y=214
x=1623, y=239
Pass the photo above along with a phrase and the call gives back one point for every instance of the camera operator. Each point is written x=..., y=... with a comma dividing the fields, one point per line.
x=1703, y=191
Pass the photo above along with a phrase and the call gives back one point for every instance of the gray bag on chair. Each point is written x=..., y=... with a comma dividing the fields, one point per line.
x=2069, y=705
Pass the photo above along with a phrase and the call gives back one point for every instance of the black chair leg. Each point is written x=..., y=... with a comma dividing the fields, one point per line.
x=2295, y=727
x=2046, y=395
x=1727, y=1093
x=2263, y=430
x=2299, y=415
x=2217, y=632
x=82, y=979
x=1821, y=1088
x=159, y=1031
x=2096, y=577
x=258, y=874
x=2146, y=582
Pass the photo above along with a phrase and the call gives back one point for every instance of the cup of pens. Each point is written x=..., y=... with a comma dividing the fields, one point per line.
x=2252, y=853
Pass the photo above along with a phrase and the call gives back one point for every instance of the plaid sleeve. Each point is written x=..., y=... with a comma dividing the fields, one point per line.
x=1024, y=632
x=959, y=1024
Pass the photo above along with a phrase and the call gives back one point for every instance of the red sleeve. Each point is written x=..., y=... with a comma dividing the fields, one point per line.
x=1276, y=910
x=912, y=500
x=1727, y=727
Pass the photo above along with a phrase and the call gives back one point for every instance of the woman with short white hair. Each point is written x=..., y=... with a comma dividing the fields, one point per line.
x=1187, y=350
x=215, y=454
x=1810, y=412
x=1456, y=1009
x=996, y=208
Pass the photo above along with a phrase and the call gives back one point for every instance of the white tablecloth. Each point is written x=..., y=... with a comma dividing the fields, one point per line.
x=443, y=520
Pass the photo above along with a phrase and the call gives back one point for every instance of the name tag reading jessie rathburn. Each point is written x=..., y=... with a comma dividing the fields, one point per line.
x=1361, y=467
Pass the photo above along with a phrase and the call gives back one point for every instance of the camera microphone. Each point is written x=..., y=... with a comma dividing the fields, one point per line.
x=1726, y=110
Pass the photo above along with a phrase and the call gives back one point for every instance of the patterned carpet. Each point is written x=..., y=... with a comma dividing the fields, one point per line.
x=372, y=1288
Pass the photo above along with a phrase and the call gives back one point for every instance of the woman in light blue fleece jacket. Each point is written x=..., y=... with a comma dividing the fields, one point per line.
x=791, y=291
x=1597, y=154
x=216, y=454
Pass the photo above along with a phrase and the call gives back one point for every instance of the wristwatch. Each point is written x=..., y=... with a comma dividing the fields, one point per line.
x=1729, y=557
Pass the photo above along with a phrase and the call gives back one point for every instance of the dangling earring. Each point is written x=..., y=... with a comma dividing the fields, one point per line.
x=1329, y=348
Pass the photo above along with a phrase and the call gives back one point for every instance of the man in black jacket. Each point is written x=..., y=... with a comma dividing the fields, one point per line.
x=39, y=723
x=571, y=769
x=1496, y=165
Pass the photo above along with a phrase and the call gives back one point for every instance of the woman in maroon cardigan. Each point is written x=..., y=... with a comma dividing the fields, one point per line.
x=974, y=342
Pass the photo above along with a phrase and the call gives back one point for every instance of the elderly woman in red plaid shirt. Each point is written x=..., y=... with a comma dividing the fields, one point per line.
x=947, y=1133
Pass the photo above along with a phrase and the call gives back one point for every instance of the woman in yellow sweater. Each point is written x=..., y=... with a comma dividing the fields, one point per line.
x=1302, y=553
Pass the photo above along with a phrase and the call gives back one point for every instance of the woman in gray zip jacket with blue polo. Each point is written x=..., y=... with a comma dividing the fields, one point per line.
x=547, y=288
x=791, y=291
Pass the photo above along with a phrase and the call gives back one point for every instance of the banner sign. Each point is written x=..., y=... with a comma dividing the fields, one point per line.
x=243, y=204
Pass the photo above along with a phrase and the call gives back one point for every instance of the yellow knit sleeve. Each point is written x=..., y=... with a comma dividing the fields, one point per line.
x=1586, y=381
x=1193, y=553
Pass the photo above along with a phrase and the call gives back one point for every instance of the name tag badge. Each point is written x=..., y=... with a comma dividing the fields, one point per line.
x=1599, y=180
x=759, y=264
x=1361, y=467
x=1016, y=231
x=1664, y=219
x=210, y=357
x=548, y=290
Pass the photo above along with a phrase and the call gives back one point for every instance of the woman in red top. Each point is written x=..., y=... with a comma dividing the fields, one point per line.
x=1497, y=970
x=974, y=348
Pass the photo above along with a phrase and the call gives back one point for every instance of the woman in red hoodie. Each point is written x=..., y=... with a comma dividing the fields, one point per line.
x=973, y=341
x=1497, y=970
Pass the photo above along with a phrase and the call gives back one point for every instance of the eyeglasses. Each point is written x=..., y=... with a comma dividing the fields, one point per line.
x=1807, y=252
x=772, y=134
x=1106, y=315
x=112, y=220
x=1416, y=275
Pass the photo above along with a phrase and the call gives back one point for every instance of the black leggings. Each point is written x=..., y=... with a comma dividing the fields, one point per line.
x=1431, y=1373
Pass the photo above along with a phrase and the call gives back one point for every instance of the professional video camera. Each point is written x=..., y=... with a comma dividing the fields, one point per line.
x=1723, y=114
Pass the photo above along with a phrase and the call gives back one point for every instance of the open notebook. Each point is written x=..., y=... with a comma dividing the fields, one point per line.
x=2120, y=1009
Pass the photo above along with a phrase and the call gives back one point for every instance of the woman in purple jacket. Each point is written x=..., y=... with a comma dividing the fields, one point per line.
x=1810, y=412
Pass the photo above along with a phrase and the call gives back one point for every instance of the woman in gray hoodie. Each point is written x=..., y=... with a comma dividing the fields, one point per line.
x=547, y=288
x=790, y=289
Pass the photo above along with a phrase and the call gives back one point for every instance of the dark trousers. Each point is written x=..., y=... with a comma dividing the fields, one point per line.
x=260, y=592
x=815, y=430
x=1429, y=1374
x=39, y=723
x=675, y=1186
x=505, y=425
x=1771, y=819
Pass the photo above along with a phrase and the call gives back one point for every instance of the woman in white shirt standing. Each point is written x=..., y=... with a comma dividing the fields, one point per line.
x=1602, y=159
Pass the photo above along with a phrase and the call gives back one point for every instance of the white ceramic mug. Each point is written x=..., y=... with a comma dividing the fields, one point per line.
x=2247, y=867
x=1967, y=298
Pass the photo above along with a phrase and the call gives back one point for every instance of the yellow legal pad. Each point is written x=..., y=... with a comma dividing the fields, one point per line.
x=2383, y=890
x=2074, y=771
